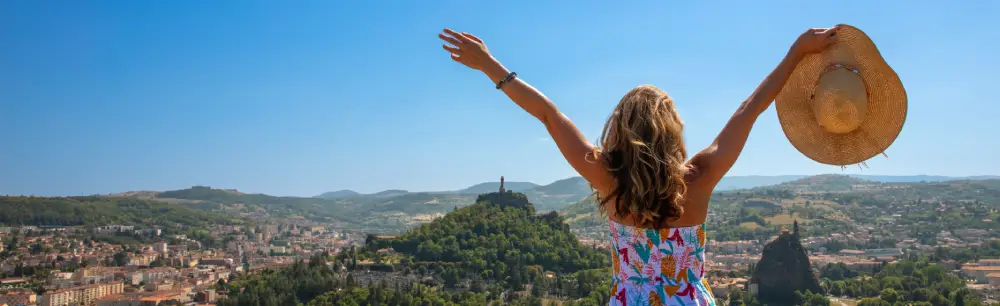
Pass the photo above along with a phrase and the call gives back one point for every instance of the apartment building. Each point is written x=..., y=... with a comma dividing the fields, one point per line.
x=85, y=295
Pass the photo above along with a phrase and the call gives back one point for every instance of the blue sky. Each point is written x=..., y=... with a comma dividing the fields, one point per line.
x=304, y=97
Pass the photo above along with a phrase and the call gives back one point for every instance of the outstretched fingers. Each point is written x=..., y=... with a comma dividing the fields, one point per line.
x=472, y=37
x=457, y=36
x=451, y=49
x=451, y=40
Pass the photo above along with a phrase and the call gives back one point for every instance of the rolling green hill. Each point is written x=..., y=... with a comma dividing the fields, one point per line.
x=99, y=211
x=416, y=203
x=313, y=208
x=559, y=194
x=499, y=230
x=338, y=194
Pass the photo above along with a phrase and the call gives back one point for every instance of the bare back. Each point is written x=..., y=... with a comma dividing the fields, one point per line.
x=695, y=201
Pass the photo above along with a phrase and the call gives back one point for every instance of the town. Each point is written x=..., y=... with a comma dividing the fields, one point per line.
x=62, y=266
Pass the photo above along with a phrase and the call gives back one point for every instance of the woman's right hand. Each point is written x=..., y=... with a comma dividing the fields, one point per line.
x=466, y=49
x=815, y=40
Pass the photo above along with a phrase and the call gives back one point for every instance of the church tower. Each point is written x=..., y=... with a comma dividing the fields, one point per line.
x=501, y=185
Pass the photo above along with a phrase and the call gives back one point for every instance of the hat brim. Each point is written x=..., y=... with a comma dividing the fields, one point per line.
x=887, y=103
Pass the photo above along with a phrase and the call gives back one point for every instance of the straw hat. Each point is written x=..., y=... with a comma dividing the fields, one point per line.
x=844, y=105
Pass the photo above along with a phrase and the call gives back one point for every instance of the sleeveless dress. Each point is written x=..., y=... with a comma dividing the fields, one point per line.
x=659, y=266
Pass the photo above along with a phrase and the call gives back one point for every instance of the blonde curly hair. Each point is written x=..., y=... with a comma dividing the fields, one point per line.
x=642, y=147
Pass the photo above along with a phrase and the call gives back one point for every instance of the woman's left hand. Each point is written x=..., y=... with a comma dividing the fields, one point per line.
x=466, y=48
x=815, y=40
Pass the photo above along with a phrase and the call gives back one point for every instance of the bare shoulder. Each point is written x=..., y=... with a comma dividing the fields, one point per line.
x=699, y=193
x=698, y=177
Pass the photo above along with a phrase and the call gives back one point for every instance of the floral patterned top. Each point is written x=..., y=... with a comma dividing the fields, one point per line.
x=659, y=266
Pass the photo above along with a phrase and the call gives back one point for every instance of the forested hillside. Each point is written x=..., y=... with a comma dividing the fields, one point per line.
x=500, y=228
x=96, y=211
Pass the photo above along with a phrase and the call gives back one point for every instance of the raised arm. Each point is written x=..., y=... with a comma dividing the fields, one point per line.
x=469, y=50
x=713, y=162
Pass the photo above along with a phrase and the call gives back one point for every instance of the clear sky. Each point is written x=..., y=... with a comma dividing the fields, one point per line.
x=303, y=97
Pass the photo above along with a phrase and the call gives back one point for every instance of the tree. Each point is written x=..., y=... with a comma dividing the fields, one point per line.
x=120, y=258
x=350, y=279
x=735, y=298
x=539, y=287
x=890, y=296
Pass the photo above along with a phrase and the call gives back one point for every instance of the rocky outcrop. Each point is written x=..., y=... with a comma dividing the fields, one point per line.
x=507, y=199
x=784, y=269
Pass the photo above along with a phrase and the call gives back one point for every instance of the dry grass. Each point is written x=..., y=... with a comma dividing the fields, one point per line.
x=837, y=216
x=578, y=217
x=821, y=204
x=785, y=219
x=749, y=225
x=833, y=210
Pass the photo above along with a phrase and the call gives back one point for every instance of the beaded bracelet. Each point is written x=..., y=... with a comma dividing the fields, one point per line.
x=510, y=77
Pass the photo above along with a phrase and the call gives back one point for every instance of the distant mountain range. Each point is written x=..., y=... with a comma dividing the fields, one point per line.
x=560, y=194
x=553, y=196
x=577, y=185
x=754, y=181
x=378, y=208
x=338, y=194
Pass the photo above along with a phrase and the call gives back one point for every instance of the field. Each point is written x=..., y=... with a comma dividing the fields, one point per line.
x=786, y=219
x=801, y=202
x=578, y=217
x=749, y=225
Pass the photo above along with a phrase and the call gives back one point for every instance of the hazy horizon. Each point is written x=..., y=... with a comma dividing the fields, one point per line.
x=459, y=188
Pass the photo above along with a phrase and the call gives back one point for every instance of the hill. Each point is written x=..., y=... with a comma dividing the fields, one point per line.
x=921, y=178
x=499, y=231
x=559, y=194
x=415, y=203
x=389, y=193
x=312, y=208
x=751, y=181
x=100, y=211
x=583, y=213
x=551, y=197
x=754, y=181
x=565, y=186
x=824, y=182
x=339, y=194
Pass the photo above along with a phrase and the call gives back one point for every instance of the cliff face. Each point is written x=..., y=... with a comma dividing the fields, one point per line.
x=783, y=269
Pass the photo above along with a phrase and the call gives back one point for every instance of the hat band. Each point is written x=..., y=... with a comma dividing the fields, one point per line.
x=836, y=66
x=832, y=67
